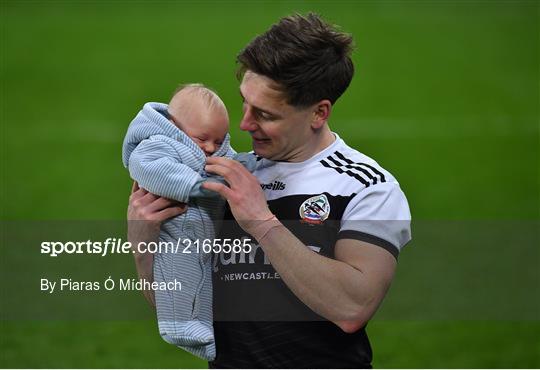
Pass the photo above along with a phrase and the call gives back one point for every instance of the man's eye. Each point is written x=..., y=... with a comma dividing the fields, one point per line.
x=264, y=116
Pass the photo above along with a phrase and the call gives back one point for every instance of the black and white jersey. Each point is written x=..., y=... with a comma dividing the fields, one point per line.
x=339, y=193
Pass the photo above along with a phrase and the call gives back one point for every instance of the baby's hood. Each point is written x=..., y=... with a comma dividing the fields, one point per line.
x=153, y=120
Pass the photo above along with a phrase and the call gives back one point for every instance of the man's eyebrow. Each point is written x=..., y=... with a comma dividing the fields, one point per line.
x=277, y=116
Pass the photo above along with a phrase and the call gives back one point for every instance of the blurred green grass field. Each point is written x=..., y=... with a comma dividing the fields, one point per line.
x=446, y=97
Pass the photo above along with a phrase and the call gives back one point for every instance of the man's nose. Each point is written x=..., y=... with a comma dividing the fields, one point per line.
x=248, y=122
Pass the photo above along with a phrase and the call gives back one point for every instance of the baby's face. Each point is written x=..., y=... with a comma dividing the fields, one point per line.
x=206, y=126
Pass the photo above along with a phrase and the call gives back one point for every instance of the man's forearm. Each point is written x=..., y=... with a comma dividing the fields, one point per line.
x=331, y=288
x=142, y=232
x=144, y=263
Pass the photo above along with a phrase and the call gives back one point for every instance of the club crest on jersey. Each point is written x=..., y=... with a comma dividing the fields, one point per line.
x=315, y=210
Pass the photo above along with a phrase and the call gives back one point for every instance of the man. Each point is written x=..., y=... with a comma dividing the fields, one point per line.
x=326, y=221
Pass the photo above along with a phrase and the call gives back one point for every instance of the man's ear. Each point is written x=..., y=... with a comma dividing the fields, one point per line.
x=321, y=113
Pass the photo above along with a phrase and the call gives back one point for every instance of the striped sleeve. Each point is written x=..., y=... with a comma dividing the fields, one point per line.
x=365, y=173
x=156, y=166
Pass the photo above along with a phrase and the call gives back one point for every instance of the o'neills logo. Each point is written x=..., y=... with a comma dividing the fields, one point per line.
x=315, y=210
x=276, y=185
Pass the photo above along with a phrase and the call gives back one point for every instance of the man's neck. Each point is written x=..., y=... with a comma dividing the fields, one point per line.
x=319, y=142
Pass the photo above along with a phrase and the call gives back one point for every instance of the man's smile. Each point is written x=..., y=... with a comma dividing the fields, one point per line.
x=260, y=141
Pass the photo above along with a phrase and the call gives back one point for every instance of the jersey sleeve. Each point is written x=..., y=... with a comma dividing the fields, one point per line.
x=378, y=215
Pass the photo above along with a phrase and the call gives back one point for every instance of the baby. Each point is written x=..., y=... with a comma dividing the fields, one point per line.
x=165, y=150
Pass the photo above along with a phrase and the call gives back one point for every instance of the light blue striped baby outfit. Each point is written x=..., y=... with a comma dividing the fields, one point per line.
x=166, y=162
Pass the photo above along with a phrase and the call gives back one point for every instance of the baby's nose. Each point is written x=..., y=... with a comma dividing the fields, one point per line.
x=209, y=148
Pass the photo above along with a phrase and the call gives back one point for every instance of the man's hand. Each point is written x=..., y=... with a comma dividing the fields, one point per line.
x=145, y=214
x=244, y=194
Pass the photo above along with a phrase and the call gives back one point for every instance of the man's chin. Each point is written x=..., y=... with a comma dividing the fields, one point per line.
x=261, y=150
x=258, y=151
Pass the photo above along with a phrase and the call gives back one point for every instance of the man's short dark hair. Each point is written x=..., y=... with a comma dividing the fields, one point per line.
x=309, y=59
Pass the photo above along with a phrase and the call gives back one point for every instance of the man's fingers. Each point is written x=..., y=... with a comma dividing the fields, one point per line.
x=226, y=162
x=137, y=192
x=149, y=198
x=232, y=174
x=220, y=160
x=171, y=212
x=134, y=187
x=141, y=198
x=219, y=169
x=223, y=190
x=161, y=203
